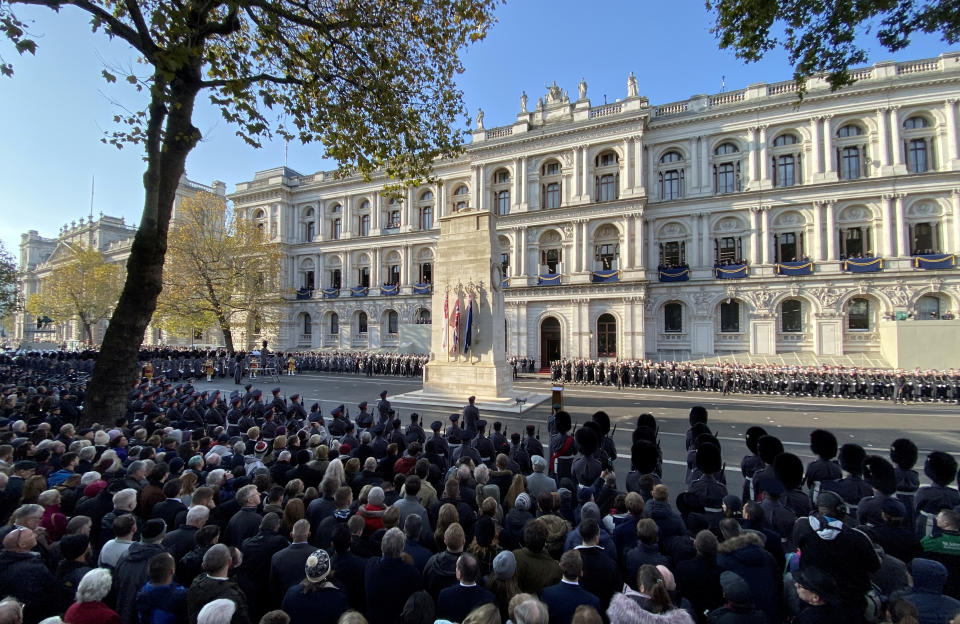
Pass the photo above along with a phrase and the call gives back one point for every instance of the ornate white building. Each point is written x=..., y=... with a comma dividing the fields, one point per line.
x=113, y=238
x=744, y=222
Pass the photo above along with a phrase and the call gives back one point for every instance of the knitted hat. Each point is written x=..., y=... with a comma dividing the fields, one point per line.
x=735, y=589
x=505, y=565
x=318, y=566
x=523, y=502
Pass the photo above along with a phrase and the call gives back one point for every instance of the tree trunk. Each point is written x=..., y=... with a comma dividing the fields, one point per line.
x=227, y=337
x=117, y=363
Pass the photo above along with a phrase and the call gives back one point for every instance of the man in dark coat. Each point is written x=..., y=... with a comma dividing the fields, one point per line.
x=24, y=577
x=246, y=522
x=563, y=598
x=471, y=416
x=743, y=553
x=349, y=568
x=216, y=584
x=600, y=574
x=698, y=579
x=168, y=509
x=178, y=543
x=131, y=571
x=457, y=601
x=286, y=565
x=254, y=573
x=390, y=579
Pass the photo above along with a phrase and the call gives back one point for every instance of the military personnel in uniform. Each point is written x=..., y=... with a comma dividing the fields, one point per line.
x=208, y=368
x=383, y=408
x=254, y=366
x=291, y=365
x=470, y=417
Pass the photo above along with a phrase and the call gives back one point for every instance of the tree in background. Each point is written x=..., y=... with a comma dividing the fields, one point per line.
x=83, y=288
x=821, y=37
x=8, y=285
x=220, y=271
x=370, y=79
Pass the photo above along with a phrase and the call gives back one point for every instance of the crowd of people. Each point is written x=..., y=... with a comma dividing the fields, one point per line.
x=897, y=385
x=249, y=510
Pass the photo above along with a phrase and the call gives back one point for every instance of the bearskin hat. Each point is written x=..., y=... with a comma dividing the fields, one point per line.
x=595, y=428
x=878, y=472
x=647, y=420
x=851, y=458
x=563, y=421
x=603, y=420
x=903, y=453
x=587, y=441
x=823, y=444
x=644, y=433
x=698, y=414
x=709, y=459
x=753, y=435
x=644, y=455
x=941, y=468
x=768, y=447
x=706, y=438
x=789, y=470
x=698, y=430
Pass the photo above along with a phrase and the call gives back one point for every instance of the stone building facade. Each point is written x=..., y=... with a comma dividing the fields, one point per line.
x=744, y=222
x=113, y=237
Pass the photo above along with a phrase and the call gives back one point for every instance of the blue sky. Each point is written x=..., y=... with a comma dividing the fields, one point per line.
x=57, y=107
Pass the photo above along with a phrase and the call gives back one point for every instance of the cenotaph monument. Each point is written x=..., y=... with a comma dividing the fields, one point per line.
x=468, y=333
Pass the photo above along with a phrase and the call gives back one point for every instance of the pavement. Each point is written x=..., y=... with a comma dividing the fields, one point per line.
x=872, y=424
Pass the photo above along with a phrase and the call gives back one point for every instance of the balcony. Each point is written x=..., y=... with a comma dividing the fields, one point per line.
x=549, y=279
x=423, y=289
x=305, y=293
x=389, y=290
x=674, y=273
x=862, y=265
x=934, y=261
x=794, y=269
x=731, y=271
x=304, y=340
x=359, y=291
x=330, y=293
x=612, y=275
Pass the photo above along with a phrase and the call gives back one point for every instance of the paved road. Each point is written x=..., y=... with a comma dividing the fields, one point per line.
x=871, y=424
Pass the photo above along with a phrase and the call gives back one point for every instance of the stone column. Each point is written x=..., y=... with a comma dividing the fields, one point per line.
x=697, y=259
x=818, y=250
x=638, y=234
x=956, y=219
x=375, y=272
x=817, y=152
x=896, y=143
x=587, y=246
x=523, y=181
x=704, y=164
x=479, y=192
x=516, y=260
x=764, y=165
x=585, y=171
x=412, y=221
x=882, y=137
x=707, y=234
x=375, y=213
x=831, y=230
x=523, y=252
x=638, y=177
x=755, y=235
x=888, y=227
x=577, y=175
x=651, y=225
x=438, y=209
x=903, y=232
x=625, y=255
x=573, y=264
x=828, y=167
x=695, y=170
x=752, y=146
x=347, y=279
x=765, y=233
x=628, y=165
x=952, y=144
x=346, y=226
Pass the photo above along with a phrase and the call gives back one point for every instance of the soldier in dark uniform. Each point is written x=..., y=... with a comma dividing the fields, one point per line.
x=903, y=454
x=464, y=449
x=379, y=443
x=607, y=444
x=707, y=489
x=931, y=499
x=383, y=408
x=364, y=418
x=454, y=430
x=878, y=473
x=470, y=417
x=237, y=368
x=191, y=416
x=414, y=432
x=751, y=463
x=698, y=414
x=296, y=413
x=396, y=435
x=824, y=445
x=586, y=468
x=531, y=444
x=483, y=444
x=441, y=444
x=497, y=439
x=519, y=458
x=256, y=403
x=644, y=459
x=212, y=417
x=338, y=425
x=788, y=468
x=561, y=445
x=851, y=488
x=349, y=436
x=279, y=406
x=768, y=447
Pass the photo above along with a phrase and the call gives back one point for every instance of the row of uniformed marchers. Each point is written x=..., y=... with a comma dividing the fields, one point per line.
x=801, y=381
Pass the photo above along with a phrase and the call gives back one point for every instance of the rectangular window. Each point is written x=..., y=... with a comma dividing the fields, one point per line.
x=426, y=218
x=925, y=239
x=551, y=195
x=503, y=202
x=917, y=156
x=394, y=275
x=784, y=172
x=605, y=256
x=394, y=219
x=673, y=253
x=335, y=279
x=364, y=225
x=308, y=280
x=673, y=318
x=730, y=317
x=850, y=163
x=607, y=187
x=364, y=275
x=335, y=229
x=504, y=262
x=426, y=273
x=727, y=250
x=725, y=178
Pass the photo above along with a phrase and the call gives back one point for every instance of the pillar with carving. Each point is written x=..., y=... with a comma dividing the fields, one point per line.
x=831, y=229
x=765, y=233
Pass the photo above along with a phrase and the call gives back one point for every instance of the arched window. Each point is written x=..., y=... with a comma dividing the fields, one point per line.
x=503, y=202
x=334, y=324
x=915, y=123
x=928, y=308
x=310, y=228
x=550, y=181
x=607, y=177
x=671, y=157
x=786, y=160
x=393, y=322
x=426, y=210
x=362, y=323
x=606, y=336
x=726, y=148
x=791, y=316
x=785, y=139
x=849, y=130
x=858, y=314
x=461, y=198
x=364, y=225
x=918, y=144
x=673, y=318
x=307, y=324
x=726, y=168
x=551, y=195
x=730, y=317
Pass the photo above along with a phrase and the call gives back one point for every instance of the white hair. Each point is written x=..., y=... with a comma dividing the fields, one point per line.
x=49, y=497
x=101, y=438
x=219, y=611
x=335, y=469
x=53, y=619
x=94, y=586
x=89, y=477
x=198, y=513
x=125, y=499
x=216, y=477
x=212, y=458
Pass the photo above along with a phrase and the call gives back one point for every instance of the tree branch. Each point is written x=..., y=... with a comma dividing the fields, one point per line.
x=116, y=27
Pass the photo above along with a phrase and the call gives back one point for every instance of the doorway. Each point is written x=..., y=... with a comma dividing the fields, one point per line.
x=549, y=341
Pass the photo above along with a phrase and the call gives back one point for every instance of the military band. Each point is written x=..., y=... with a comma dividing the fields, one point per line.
x=896, y=385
